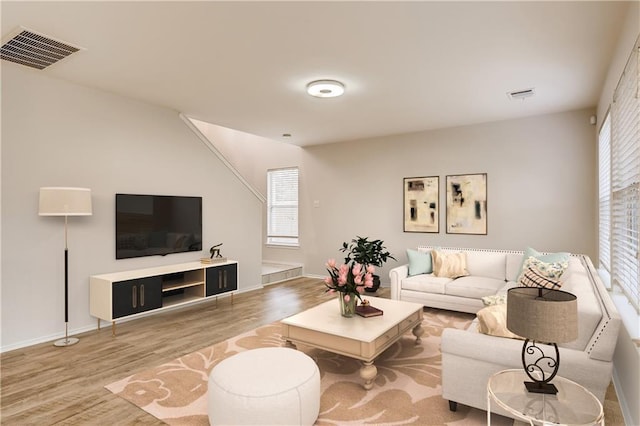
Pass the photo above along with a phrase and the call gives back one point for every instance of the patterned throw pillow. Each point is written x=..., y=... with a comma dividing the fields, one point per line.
x=450, y=265
x=494, y=300
x=545, y=257
x=537, y=273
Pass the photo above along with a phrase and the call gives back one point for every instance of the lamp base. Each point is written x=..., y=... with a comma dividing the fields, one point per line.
x=540, y=387
x=67, y=341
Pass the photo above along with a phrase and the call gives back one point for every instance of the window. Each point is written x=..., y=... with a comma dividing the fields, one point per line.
x=282, y=206
x=625, y=181
x=604, y=193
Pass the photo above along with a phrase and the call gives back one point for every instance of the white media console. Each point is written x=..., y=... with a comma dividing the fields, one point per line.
x=128, y=294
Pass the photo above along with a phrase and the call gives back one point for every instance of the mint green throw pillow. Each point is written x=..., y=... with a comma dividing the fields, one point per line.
x=419, y=262
x=560, y=257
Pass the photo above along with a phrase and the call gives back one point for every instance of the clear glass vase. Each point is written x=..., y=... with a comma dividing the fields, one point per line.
x=347, y=304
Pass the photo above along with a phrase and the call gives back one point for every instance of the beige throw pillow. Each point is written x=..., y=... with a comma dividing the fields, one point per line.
x=492, y=320
x=450, y=265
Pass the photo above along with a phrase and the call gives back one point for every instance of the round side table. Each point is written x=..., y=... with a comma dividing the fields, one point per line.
x=572, y=405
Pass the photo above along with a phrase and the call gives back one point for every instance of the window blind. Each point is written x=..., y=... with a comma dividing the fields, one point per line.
x=604, y=193
x=282, y=206
x=625, y=180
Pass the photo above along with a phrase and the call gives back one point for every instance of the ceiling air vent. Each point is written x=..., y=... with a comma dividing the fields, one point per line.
x=35, y=50
x=519, y=95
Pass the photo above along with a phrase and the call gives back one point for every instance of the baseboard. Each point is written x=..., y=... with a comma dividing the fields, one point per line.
x=44, y=339
x=320, y=277
x=624, y=406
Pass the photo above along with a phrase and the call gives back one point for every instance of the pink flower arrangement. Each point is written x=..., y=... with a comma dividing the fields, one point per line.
x=348, y=278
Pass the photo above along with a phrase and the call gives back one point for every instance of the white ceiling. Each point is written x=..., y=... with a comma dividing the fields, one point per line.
x=407, y=66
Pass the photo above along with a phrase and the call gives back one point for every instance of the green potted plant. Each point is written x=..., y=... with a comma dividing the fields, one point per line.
x=365, y=252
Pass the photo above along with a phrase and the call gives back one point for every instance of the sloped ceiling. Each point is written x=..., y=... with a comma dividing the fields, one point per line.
x=407, y=66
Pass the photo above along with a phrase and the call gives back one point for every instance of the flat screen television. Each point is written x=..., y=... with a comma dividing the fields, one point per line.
x=157, y=225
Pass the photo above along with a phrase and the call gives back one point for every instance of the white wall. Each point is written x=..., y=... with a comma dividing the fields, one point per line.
x=59, y=134
x=541, y=186
x=627, y=356
x=540, y=173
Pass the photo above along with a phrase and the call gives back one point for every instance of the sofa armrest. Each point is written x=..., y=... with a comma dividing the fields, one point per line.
x=485, y=355
x=492, y=349
x=603, y=342
x=482, y=347
x=396, y=275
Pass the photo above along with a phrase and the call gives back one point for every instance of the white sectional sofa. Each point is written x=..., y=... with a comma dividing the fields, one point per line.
x=469, y=357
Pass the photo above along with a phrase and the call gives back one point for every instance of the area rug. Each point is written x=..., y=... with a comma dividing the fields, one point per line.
x=406, y=391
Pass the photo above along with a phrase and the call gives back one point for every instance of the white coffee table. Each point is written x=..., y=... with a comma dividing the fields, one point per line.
x=361, y=338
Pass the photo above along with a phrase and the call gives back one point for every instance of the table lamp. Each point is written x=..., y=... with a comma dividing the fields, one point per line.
x=63, y=201
x=541, y=315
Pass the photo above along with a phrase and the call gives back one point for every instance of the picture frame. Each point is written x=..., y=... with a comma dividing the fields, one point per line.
x=466, y=201
x=421, y=204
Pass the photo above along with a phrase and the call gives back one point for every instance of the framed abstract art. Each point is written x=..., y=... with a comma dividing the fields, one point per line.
x=467, y=204
x=421, y=204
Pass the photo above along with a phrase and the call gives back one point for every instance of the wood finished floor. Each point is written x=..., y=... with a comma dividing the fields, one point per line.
x=43, y=385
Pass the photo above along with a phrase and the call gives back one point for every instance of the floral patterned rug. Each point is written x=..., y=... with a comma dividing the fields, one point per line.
x=406, y=391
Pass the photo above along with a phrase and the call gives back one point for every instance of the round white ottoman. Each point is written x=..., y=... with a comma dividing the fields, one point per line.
x=265, y=386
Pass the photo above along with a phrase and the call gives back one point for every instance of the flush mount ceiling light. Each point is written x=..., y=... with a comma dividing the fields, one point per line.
x=325, y=88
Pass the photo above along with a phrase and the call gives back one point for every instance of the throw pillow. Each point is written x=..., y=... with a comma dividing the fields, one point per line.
x=548, y=257
x=450, y=265
x=492, y=320
x=494, y=300
x=419, y=262
x=537, y=273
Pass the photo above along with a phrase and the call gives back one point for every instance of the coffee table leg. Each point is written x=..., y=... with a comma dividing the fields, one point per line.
x=368, y=372
x=418, y=331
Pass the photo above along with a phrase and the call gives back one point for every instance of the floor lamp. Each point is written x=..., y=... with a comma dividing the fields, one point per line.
x=62, y=201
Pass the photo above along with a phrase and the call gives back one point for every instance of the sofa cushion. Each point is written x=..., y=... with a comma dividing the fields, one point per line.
x=536, y=273
x=451, y=265
x=419, y=262
x=514, y=264
x=426, y=283
x=574, y=265
x=473, y=287
x=487, y=264
x=492, y=320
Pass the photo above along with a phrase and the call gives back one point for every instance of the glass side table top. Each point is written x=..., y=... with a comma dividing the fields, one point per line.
x=572, y=405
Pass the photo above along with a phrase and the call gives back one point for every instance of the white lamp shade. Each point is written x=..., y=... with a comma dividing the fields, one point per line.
x=63, y=201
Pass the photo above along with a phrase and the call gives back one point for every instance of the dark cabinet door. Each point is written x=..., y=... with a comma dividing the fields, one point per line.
x=125, y=298
x=230, y=277
x=221, y=279
x=133, y=296
x=150, y=294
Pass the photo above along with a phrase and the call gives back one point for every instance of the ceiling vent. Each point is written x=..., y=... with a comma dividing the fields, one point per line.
x=35, y=50
x=520, y=95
